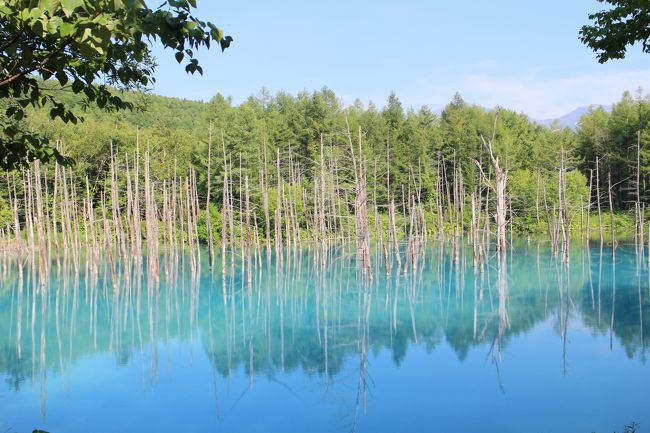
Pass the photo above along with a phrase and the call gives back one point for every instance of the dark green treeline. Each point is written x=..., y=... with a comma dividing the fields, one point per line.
x=404, y=149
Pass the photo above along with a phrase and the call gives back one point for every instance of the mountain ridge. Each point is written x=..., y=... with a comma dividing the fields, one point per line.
x=571, y=119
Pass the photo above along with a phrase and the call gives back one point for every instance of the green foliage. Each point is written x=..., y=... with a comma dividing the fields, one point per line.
x=613, y=139
x=419, y=148
x=80, y=44
x=526, y=191
x=613, y=30
x=577, y=190
x=532, y=192
x=6, y=217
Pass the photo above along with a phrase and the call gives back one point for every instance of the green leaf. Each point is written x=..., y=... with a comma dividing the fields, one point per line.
x=90, y=93
x=54, y=5
x=67, y=29
x=225, y=42
x=53, y=25
x=43, y=4
x=35, y=13
x=77, y=86
x=69, y=6
x=190, y=25
x=62, y=77
x=55, y=112
x=179, y=56
x=49, y=5
x=86, y=34
x=216, y=33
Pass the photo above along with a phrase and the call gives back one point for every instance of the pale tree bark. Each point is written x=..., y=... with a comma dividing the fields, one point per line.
x=499, y=188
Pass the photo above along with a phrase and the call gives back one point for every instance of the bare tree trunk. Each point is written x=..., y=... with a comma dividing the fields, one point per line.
x=265, y=205
x=225, y=201
x=392, y=228
x=591, y=177
x=208, y=224
x=439, y=193
x=13, y=203
x=537, y=200
x=499, y=187
x=248, y=230
x=600, y=216
x=360, y=205
x=474, y=234
x=562, y=209
x=278, y=211
x=136, y=201
x=321, y=219
x=638, y=232
x=611, y=210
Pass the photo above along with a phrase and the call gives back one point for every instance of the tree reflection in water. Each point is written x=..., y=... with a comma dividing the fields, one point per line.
x=307, y=311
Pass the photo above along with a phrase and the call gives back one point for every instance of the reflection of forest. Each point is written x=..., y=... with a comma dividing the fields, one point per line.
x=299, y=315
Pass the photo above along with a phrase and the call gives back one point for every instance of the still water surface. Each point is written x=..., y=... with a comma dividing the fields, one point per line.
x=529, y=345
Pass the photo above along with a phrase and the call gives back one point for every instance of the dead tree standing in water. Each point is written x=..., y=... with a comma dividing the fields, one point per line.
x=499, y=188
x=360, y=205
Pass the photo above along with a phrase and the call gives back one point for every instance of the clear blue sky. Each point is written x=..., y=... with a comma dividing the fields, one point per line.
x=521, y=54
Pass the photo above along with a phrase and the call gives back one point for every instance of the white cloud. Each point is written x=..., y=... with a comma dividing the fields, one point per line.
x=535, y=95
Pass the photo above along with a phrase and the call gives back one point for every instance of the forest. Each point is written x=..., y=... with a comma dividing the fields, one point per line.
x=292, y=163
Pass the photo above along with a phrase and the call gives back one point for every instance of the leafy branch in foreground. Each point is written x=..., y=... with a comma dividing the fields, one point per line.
x=85, y=46
x=614, y=29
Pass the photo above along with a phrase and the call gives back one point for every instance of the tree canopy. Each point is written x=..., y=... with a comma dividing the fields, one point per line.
x=614, y=30
x=94, y=48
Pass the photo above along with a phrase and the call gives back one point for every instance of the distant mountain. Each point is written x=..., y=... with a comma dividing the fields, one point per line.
x=570, y=120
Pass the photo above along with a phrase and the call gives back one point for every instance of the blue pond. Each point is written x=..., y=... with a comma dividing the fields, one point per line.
x=305, y=344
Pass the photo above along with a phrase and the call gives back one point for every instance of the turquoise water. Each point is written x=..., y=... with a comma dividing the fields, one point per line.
x=529, y=345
